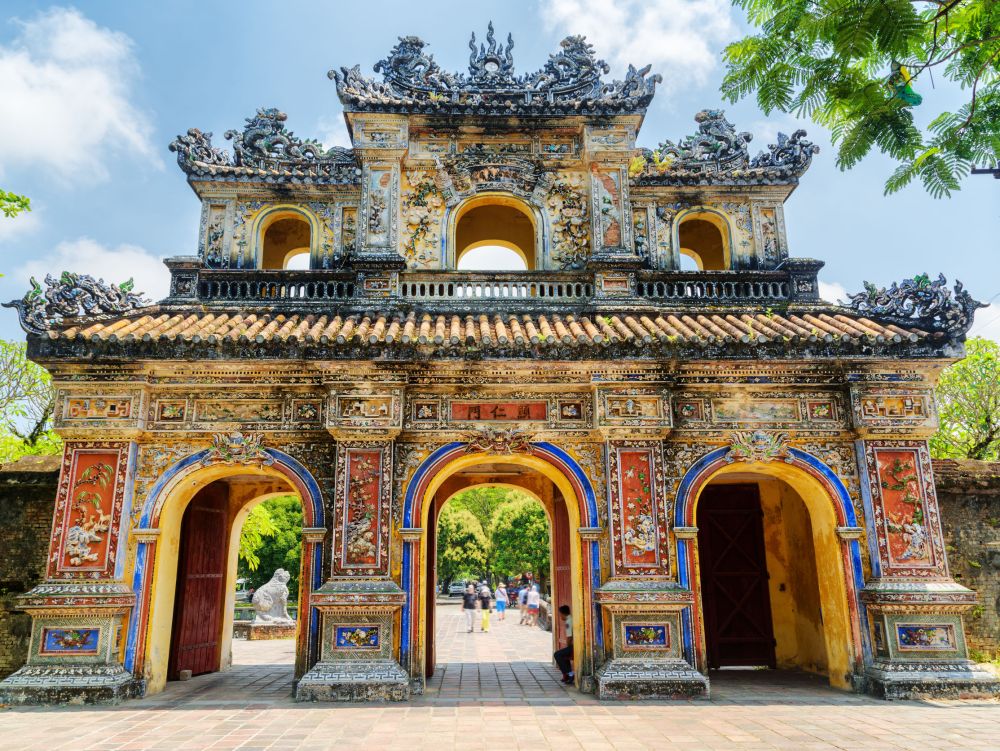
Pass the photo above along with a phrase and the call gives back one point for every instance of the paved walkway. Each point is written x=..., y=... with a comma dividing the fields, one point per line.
x=498, y=689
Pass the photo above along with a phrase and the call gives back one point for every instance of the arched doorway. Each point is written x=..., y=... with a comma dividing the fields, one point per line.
x=554, y=579
x=776, y=581
x=580, y=504
x=703, y=241
x=150, y=631
x=488, y=224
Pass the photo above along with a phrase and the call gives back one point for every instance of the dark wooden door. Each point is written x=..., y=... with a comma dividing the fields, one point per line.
x=562, y=592
x=201, y=576
x=735, y=598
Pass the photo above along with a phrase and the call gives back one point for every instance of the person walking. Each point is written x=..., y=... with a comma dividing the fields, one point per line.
x=533, y=602
x=501, y=596
x=470, y=601
x=522, y=604
x=564, y=656
x=484, y=604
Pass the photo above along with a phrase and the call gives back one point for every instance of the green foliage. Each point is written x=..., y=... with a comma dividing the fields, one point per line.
x=461, y=544
x=26, y=405
x=279, y=548
x=855, y=67
x=521, y=538
x=969, y=405
x=256, y=528
x=12, y=204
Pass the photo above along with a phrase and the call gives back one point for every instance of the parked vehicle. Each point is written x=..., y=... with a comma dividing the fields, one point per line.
x=242, y=593
x=456, y=589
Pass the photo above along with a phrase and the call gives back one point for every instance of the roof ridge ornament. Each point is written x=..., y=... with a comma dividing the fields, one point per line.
x=569, y=82
x=919, y=300
x=72, y=296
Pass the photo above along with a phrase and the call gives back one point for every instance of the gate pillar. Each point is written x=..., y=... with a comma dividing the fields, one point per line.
x=77, y=613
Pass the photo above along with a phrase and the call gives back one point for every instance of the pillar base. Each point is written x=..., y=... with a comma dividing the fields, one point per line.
x=643, y=679
x=70, y=684
x=344, y=680
x=262, y=631
x=959, y=679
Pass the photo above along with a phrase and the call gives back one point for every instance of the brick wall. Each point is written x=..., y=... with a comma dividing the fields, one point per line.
x=27, y=495
x=969, y=497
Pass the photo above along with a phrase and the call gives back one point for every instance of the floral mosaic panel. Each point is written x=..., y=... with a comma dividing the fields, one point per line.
x=357, y=638
x=646, y=636
x=69, y=641
x=638, y=524
x=88, y=510
x=923, y=637
x=904, y=509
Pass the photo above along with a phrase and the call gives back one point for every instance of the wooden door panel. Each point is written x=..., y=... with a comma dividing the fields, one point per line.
x=430, y=650
x=201, y=577
x=734, y=580
x=563, y=590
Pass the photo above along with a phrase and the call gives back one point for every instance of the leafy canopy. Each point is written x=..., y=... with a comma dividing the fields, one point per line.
x=26, y=405
x=521, y=538
x=969, y=405
x=461, y=544
x=273, y=536
x=860, y=67
x=12, y=204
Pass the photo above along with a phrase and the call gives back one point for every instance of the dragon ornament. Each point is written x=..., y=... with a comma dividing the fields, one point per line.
x=929, y=304
x=73, y=296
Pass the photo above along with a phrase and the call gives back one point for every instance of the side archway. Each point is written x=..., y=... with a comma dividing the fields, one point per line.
x=830, y=509
x=704, y=235
x=281, y=233
x=157, y=535
x=581, y=503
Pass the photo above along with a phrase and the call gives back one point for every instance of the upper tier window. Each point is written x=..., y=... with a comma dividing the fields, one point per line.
x=285, y=241
x=702, y=238
x=488, y=225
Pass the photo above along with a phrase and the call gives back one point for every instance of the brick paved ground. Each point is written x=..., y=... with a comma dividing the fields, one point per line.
x=493, y=690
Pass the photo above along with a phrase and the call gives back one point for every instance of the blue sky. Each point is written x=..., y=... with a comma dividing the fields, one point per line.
x=93, y=93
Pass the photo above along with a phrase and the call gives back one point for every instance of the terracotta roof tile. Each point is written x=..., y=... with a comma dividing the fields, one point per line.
x=498, y=330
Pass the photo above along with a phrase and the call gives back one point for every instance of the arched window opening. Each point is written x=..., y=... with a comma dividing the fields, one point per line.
x=688, y=262
x=702, y=237
x=286, y=238
x=491, y=258
x=491, y=223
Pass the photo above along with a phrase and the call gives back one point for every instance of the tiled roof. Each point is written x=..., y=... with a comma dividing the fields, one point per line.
x=494, y=331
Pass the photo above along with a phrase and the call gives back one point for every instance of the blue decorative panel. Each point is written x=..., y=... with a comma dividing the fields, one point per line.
x=357, y=637
x=646, y=636
x=922, y=637
x=70, y=641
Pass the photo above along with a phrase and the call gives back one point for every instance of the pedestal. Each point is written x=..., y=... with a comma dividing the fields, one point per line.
x=73, y=654
x=253, y=631
x=645, y=634
x=356, y=659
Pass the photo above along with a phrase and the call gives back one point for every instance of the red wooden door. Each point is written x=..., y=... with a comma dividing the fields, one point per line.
x=562, y=593
x=431, y=591
x=735, y=598
x=201, y=576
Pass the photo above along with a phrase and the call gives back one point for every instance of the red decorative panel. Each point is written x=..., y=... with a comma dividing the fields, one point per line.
x=499, y=411
x=904, y=508
x=363, y=528
x=638, y=523
x=88, y=510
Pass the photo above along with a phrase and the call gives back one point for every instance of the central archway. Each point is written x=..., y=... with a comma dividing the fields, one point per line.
x=581, y=507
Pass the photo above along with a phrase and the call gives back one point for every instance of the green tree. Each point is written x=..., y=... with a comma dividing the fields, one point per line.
x=482, y=502
x=278, y=544
x=12, y=204
x=27, y=402
x=521, y=538
x=461, y=544
x=969, y=405
x=856, y=67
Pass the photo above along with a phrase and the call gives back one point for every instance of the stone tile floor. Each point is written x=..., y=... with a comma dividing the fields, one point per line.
x=498, y=689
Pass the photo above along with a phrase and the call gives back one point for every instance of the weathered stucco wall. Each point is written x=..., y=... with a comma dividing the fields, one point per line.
x=969, y=497
x=27, y=495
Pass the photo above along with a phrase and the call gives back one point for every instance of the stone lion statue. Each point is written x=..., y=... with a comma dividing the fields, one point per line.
x=270, y=602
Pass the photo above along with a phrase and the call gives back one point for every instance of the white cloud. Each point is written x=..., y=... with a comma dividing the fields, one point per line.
x=333, y=132
x=87, y=256
x=987, y=323
x=681, y=38
x=66, y=106
x=14, y=227
x=832, y=291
